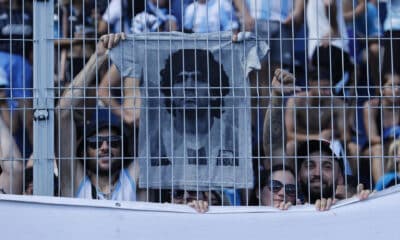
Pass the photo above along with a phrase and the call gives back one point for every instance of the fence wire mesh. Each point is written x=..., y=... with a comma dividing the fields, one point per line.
x=207, y=102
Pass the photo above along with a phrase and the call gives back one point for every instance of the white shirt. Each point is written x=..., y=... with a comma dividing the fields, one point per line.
x=275, y=10
x=319, y=27
x=212, y=16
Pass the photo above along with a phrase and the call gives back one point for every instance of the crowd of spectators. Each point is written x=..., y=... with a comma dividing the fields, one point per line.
x=330, y=137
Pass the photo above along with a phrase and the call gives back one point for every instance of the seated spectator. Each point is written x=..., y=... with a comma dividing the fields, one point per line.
x=10, y=162
x=277, y=187
x=391, y=42
x=317, y=162
x=204, y=16
x=309, y=114
x=381, y=121
x=16, y=23
x=155, y=18
x=363, y=26
x=100, y=163
x=391, y=176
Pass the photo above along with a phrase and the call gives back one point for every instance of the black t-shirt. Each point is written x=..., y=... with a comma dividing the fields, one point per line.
x=16, y=25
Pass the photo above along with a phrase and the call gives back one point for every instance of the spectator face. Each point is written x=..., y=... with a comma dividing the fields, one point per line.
x=104, y=148
x=184, y=197
x=190, y=91
x=282, y=188
x=392, y=87
x=319, y=169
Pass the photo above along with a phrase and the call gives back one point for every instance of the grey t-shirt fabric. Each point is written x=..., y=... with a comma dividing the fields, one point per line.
x=195, y=126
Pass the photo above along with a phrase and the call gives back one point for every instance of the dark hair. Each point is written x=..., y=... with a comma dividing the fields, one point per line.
x=265, y=175
x=332, y=62
x=306, y=148
x=201, y=60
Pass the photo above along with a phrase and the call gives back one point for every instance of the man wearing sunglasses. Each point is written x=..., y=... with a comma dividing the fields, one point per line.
x=277, y=187
x=95, y=162
x=320, y=170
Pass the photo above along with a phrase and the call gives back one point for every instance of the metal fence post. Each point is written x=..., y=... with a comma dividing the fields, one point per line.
x=43, y=97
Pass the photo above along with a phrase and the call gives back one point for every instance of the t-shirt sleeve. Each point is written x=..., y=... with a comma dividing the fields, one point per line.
x=256, y=53
x=127, y=59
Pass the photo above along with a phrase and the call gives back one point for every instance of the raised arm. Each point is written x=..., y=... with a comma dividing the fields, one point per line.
x=273, y=136
x=10, y=162
x=247, y=20
x=358, y=10
x=297, y=16
x=129, y=110
x=71, y=172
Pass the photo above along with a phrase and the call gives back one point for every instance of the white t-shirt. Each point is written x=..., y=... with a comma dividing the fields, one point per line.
x=319, y=27
x=113, y=15
x=275, y=10
x=213, y=16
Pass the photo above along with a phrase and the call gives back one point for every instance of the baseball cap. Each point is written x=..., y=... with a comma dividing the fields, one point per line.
x=319, y=145
x=102, y=118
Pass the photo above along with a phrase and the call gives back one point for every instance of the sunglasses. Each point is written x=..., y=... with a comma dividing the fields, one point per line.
x=275, y=186
x=97, y=141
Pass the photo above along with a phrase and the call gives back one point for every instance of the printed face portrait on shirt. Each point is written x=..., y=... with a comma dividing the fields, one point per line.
x=193, y=80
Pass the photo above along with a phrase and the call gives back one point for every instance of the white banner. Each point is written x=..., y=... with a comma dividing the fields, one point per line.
x=43, y=218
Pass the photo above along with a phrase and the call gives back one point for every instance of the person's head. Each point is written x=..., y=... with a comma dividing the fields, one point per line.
x=193, y=80
x=186, y=196
x=276, y=186
x=320, y=169
x=330, y=64
x=103, y=142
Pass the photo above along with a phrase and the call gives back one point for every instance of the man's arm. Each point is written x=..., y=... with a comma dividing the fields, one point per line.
x=297, y=15
x=10, y=162
x=130, y=109
x=359, y=9
x=274, y=137
x=247, y=20
x=71, y=172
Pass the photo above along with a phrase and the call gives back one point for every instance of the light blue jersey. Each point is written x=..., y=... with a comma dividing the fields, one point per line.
x=125, y=189
x=277, y=10
x=212, y=16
